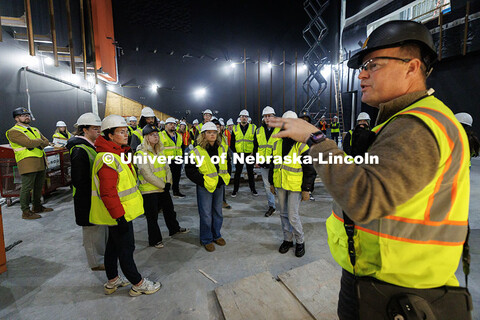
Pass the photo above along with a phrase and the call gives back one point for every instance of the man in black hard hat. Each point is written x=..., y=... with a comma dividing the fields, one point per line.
x=27, y=142
x=305, y=115
x=401, y=220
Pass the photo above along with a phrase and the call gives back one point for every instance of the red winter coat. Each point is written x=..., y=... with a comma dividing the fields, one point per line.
x=109, y=178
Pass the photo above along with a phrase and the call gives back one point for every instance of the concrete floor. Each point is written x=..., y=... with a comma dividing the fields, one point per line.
x=48, y=276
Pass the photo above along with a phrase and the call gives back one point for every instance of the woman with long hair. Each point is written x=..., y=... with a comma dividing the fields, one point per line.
x=155, y=181
x=210, y=178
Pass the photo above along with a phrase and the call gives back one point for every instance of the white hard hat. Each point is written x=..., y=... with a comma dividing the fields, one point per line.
x=335, y=117
x=244, y=113
x=208, y=111
x=183, y=122
x=147, y=112
x=61, y=124
x=238, y=120
x=229, y=122
x=162, y=122
x=268, y=110
x=113, y=121
x=132, y=118
x=214, y=118
x=170, y=120
x=363, y=116
x=464, y=118
x=209, y=126
x=195, y=121
x=221, y=122
x=88, y=119
x=290, y=115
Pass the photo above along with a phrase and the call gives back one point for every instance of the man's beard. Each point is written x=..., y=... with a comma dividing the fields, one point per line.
x=26, y=121
x=243, y=123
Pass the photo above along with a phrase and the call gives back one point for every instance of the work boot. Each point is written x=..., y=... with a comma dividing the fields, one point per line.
x=177, y=194
x=226, y=205
x=300, y=249
x=270, y=211
x=29, y=215
x=285, y=246
x=41, y=209
x=209, y=247
x=255, y=193
x=220, y=241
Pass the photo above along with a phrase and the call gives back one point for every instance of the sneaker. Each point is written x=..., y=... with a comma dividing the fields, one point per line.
x=181, y=230
x=300, y=249
x=159, y=245
x=29, y=215
x=99, y=268
x=270, y=211
x=209, y=247
x=147, y=287
x=111, y=287
x=255, y=193
x=220, y=241
x=226, y=205
x=178, y=195
x=234, y=194
x=41, y=209
x=285, y=246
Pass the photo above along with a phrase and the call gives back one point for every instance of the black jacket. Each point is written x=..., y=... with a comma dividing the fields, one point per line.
x=308, y=170
x=192, y=172
x=81, y=180
x=359, y=141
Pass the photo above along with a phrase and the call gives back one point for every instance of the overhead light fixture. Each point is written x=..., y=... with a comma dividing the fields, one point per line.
x=200, y=93
x=48, y=61
x=154, y=87
x=232, y=65
x=269, y=65
x=110, y=87
x=304, y=67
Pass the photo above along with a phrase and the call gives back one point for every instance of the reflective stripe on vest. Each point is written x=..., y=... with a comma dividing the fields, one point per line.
x=288, y=176
x=128, y=192
x=244, y=143
x=265, y=147
x=60, y=136
x=159, y=170
x=419, y=245
x=22, y=152
x=335, y=127
x=208, y=169
x=91, y=153
x=171, y=148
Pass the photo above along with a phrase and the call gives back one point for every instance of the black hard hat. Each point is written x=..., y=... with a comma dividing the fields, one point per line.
x=394, y=34
x=149, y=129
x=305, y=114
x=19, y=111
x=216, y=122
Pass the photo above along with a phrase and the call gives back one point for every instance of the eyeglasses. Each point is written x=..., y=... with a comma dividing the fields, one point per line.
x=122, y=132
x=371, y=65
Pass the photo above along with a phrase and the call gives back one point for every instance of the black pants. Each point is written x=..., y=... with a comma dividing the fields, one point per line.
x=335, y=137
x=176, y=172
x=151, y=204
x=120, y=246
x=238, y=173
x=347, y=299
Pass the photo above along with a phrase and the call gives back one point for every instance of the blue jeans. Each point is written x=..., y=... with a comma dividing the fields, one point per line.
x=270, y=195
x=289, y=203
x=210, y=211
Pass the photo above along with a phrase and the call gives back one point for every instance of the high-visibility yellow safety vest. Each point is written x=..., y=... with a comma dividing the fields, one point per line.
x=419, y=245
x=128, y=192
x=288, y=176
x=159, y=170
x=264, y=146
x=244, y=143
x=137, y=132
x=335, y=127
x=171, y=148
x=91, y=153
x=60, y=136
x=22, y=152
x=208, y=169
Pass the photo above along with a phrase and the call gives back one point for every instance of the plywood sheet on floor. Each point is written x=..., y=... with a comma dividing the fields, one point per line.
x=259, y=297
x=316, y=286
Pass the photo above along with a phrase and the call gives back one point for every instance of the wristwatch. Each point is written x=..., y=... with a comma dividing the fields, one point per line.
x=316, y=138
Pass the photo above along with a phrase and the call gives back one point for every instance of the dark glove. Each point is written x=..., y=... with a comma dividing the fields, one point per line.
x=167, y=187
x=122, y=225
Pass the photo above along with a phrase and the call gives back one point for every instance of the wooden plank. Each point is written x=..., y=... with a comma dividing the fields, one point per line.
x=92, y=35
x=53, y=31
x=47, y=48
x=316, y=286
x=14, y=22
x=28, y=15
x=38, y=38
x=70, y=36
x=259, y=297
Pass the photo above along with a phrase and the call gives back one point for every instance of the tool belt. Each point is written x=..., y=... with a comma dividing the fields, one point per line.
x=380, y=300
